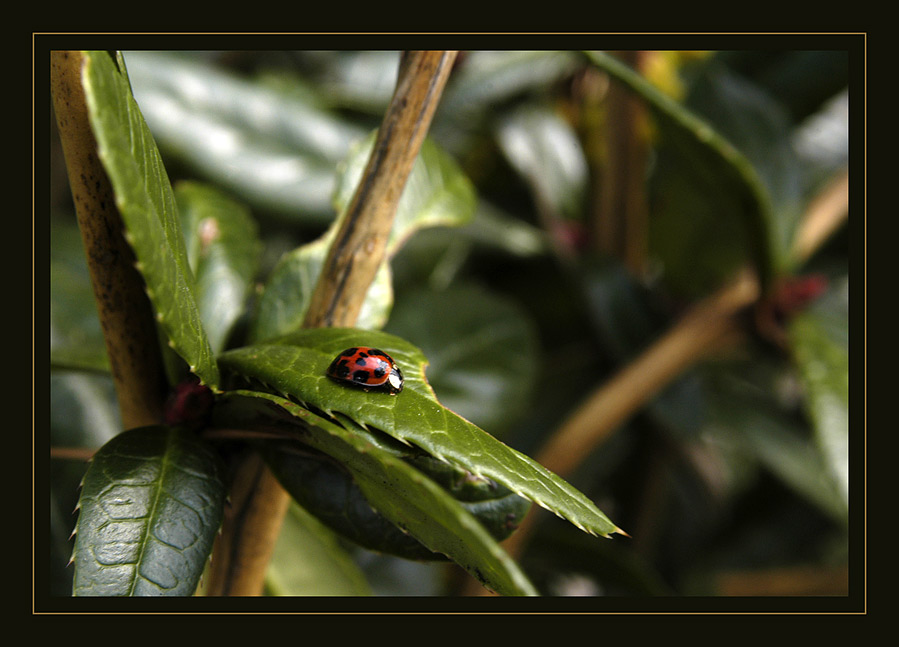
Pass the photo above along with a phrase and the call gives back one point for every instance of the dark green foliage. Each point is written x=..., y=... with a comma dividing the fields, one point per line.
x=501, y=313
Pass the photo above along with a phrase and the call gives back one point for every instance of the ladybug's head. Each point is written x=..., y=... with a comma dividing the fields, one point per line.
x=395, y=380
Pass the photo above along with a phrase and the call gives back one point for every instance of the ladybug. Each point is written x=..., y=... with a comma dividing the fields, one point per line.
x=367, y=368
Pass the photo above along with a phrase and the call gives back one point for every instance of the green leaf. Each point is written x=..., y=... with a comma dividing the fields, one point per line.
x=481, y=348
x=84, y=411
x=147, y=205
x=271, y=147
x=328, y=490
x=296, y=365
x=487, y=78
x=151, y=504
x=745, y=414
x=499, y=229
x=823, y=362
x=546, y=152
x=283, y=304
x=223, y=250
x=437, y=193
x=711, y=182
x=774, y=440
x=405, y=496
x=362, y=81
x=76, y=340
x=308, y=560
x=758, y=126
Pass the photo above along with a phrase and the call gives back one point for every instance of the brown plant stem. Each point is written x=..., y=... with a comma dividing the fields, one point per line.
x=258, y=501
x=710, y=326
x=812, y=580
x=125, y=312
x=826, y=213
x=621, y=218
x=358, y=247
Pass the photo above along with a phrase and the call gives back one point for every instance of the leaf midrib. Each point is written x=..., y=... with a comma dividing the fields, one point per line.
x=165, y=465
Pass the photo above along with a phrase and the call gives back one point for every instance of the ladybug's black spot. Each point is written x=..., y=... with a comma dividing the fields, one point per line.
x=349, y=352
x=361, y=376
x=339, y=368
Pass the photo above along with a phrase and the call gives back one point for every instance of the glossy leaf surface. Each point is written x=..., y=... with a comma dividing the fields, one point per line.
x=546, y=152
x=150, y=507
x=147, y=204
x=400, y=492
x=328, y=490
x=296, y=365
x=437, y=192
x=269, y=144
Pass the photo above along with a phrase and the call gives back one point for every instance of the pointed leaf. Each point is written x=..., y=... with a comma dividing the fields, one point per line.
x=147, y=205
x=408, y=498
x=296, y=365
x=150, y=507
x=721, y=170
x=823, y=361
x=329, y=491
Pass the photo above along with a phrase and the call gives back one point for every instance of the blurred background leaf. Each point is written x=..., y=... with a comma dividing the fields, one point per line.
x=223, y=251
x=326, y=568
x=76, y=340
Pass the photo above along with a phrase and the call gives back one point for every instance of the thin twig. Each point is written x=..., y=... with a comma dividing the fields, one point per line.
x=125, y=312
x=72, y=453
x=827, y=213
x=710, y=326
x=620, y=221
x=358, y=248
x=258, y=501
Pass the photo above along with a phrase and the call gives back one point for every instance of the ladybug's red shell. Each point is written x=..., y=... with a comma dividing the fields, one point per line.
x=367, y=368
